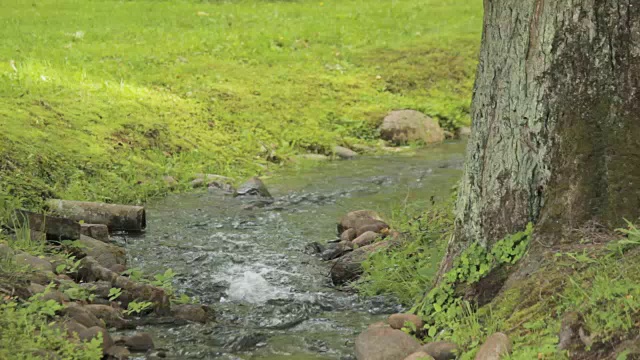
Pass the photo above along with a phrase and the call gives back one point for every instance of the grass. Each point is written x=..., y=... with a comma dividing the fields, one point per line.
x=406, y=272
x=100, y=99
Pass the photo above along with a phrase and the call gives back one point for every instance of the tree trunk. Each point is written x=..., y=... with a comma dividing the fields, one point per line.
x=556, y=122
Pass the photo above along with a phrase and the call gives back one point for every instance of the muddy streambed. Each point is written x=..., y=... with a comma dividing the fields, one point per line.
x=273, y=300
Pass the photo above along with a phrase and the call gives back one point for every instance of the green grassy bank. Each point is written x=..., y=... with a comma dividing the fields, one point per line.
x=100, y=99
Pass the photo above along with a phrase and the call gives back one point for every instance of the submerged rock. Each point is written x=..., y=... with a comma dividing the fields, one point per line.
x=253, y=186
x=403, y=126
x=383, y=343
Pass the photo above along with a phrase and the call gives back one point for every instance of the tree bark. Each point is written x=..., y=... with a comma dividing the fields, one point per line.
x=556, y=122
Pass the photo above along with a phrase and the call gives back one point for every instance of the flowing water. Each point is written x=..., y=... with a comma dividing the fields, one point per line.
x=273, y=300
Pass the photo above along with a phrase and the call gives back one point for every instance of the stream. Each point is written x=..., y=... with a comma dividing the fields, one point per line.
x=272, y=299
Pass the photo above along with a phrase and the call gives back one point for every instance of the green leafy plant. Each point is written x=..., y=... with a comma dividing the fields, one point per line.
x=114, y=293
x=137, y=307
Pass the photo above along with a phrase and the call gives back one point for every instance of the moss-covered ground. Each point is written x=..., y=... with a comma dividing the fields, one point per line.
x=101, y=99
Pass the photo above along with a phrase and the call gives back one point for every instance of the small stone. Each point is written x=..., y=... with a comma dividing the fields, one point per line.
x=357, y=219
x=118, y=268
x=96, y=231
x=170, y=181
x=380, y=343
x=117, y=352
x=397, y=321
x=420, y=355
x=33, y=262
x=375, y=226
x=495, y=347
x=442, y=350
x=6, y=251
x=198, y=183
x=348, y=235
x=344, y=153
x=81, y=315
x=463, y=132
x=191, y=312
x=112, y=317
x=253, y=186
x=311, y=157
x=336, y=251
x=365, y=239
x=139, y=342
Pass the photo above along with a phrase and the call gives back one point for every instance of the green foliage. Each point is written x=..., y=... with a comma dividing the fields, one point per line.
x=93, y=111
x=136, y=307
x=114, y=294
x=442, y=305
x=27, y=334
x=406, y=271
x=70, y=264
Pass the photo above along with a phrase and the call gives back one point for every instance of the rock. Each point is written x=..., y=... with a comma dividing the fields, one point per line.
x=375, y=226
x=81, y=315
x=495, y=347
x=118, y=268
x=344, y=153
x=631, y=348
x=112, y=317
x=253, y=186
x=348, y=235
x=403, y=126
x=397, y=321
x=33, y=262
x=171, y=182
x=420, y=355
x=357, y=219
x=380, y=343
x=96, y=231
x=365, y=239
x=570, y=329
x=107, y=255
x=192, y=312
x=314, y=248
x=55, y=228
x=116, y=217
x=216, y=182
x=337, y=250
x=117, y=352
x=139, y=342
x=311, y=157
x=197, y=183
x=92, y=332
x=349, y=267
x=442, y=350
x=6, y=251
x=363, y=148
x=90, y=270
x=463, y=132
x=73, y=328
x=55, y=295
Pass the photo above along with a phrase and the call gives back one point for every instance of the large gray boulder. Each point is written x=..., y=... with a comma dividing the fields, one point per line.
x=253, y=186
x=403, y=126
x=385, y=343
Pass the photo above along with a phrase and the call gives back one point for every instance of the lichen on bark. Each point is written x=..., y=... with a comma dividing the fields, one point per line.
x=556, y=121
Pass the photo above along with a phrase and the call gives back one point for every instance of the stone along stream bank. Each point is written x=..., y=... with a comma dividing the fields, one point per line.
x=249, y=258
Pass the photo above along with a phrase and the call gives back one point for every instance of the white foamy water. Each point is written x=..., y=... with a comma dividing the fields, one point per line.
x=252, y=288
